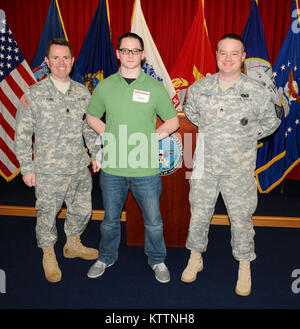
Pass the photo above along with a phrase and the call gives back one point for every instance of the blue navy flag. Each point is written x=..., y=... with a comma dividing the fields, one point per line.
x=97, y=59
x=258, y=67
x=286, y=71
x=53, y=28
x=257, y=58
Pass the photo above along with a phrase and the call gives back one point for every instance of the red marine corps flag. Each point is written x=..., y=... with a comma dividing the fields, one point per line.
x=15, y=77
x=195, y=59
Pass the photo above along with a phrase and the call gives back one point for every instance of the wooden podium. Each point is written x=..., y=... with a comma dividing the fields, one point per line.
x=174, y=201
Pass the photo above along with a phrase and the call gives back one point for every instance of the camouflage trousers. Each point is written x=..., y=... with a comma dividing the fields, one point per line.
x=51, y=191
x=240, y=197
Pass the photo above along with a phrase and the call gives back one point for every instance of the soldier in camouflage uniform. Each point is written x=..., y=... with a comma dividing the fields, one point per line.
x=54, y=111
x=232, y=111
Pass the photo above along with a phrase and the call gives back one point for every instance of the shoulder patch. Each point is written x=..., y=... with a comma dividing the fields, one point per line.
x=24, y=100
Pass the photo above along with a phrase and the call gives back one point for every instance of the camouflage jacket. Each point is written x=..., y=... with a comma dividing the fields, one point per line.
x=58, y=123
x=230, y=122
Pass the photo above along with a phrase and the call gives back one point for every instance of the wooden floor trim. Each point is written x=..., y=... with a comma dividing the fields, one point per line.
x=31, y=212
x=271, y=221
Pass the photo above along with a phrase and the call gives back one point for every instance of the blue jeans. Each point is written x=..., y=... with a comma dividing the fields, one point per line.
x=146, y=191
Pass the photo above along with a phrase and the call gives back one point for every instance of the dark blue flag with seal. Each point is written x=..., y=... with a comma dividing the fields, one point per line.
x=258, y=67
x=286, y=140
x=53, y=28
x=257, y=58
x=97, y=59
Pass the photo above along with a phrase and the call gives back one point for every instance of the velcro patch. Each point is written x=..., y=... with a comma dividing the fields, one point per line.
x=25, y=101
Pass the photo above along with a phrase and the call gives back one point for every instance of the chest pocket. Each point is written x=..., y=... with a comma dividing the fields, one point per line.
x=75, y=114
x=207, y=105
x=49, y=112
x=247, y=121
x=231, y=114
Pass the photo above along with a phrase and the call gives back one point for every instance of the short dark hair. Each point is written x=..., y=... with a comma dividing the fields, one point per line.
x=60, y=42
x=130, y=35
x=233, y=36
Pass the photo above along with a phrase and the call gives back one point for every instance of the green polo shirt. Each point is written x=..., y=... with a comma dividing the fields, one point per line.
x=130, y=145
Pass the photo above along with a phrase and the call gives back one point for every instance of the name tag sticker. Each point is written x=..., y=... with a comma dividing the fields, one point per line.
x=141, y=96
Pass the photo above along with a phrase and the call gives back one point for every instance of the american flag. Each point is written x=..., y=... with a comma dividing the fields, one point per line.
x=15, y=77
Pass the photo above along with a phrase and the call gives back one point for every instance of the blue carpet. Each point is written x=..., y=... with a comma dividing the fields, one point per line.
x=130, y=283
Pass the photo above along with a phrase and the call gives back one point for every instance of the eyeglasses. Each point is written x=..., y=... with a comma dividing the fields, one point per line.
x=57, y=59
x=126, y=51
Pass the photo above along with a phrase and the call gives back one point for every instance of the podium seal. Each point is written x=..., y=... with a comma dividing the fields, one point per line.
x=170, y=155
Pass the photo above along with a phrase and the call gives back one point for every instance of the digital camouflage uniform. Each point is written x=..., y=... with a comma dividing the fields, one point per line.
x=60, y=161
x=229, y=124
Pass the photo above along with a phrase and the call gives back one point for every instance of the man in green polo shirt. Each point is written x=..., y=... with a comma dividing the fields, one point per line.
x=131, y=101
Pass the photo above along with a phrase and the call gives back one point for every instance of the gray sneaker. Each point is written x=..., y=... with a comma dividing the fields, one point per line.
x=162, y=273
x=97, y=269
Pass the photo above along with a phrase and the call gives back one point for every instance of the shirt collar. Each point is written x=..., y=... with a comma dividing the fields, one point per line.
x=56, y=91
x=140, y=78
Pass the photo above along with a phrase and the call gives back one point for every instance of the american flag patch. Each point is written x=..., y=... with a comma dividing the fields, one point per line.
x=25, y=101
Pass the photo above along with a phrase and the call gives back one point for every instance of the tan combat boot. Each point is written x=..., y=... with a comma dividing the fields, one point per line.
x=74, y=248
x=50, y=265
x=243, y=285
x=194, y=266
